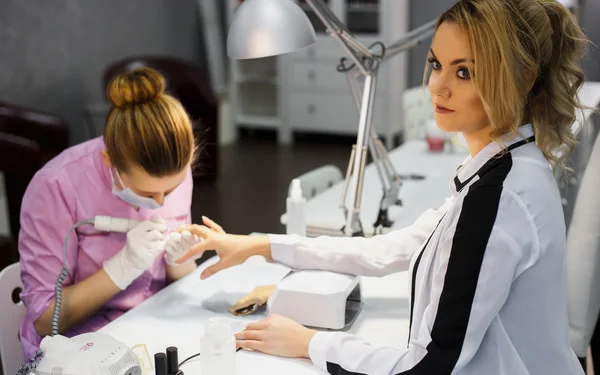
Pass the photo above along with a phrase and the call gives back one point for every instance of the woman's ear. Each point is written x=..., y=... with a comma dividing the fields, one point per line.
x=106, y=158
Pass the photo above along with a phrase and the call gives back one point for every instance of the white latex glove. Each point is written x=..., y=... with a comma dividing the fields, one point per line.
x=178, y=244
x=144, y=243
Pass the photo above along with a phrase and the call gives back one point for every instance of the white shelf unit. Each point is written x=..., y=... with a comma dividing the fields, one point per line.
x=303, y=91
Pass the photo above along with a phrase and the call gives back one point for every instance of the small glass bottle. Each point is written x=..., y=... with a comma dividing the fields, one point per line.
x=217, y=349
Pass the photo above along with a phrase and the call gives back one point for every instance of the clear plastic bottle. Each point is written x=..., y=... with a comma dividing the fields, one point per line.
x=296, y=210
x=217, y=349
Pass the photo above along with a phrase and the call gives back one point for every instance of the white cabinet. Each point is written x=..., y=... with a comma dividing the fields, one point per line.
x=303, y=91
x=322, y=76
x=328, y=113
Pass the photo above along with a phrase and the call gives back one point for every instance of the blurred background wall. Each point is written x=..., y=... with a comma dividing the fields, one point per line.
x=54, y=52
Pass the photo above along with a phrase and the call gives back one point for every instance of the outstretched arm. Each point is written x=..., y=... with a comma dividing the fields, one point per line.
x=375, y=256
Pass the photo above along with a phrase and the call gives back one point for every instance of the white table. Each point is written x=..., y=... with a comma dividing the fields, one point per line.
x=176, y=315
x=324, y=217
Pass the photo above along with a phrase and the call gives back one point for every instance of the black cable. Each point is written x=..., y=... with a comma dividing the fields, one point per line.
x=188, y=358
x=198, y=355
x=412, y=176
x=383, y=50
x=343, y=67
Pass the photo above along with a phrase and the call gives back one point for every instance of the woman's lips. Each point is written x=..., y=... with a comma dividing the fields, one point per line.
x=442, y=110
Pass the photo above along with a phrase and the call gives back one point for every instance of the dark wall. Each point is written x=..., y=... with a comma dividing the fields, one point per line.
x=589, y=15
x=422, y=11
x=54, y=52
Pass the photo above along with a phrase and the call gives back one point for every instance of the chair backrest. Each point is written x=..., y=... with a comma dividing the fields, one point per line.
x=28, y=139
x=20, y=159
x=49, y=131
x=318, y=180
x=418, y=111
x=12, y=312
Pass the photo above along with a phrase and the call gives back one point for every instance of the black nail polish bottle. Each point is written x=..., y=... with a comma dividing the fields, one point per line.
x=173, y=362
x=160, y=364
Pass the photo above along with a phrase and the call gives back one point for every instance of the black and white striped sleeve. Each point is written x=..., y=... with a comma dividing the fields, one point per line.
x=471, y=281
x=376, y=256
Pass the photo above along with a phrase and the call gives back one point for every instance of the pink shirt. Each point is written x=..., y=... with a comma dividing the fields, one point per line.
x=76, y=186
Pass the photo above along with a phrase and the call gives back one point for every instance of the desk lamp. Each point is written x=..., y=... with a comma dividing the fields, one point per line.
x=262, y=28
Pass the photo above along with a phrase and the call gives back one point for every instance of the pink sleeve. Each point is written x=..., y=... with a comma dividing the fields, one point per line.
x=189, y=181
x=47, y=213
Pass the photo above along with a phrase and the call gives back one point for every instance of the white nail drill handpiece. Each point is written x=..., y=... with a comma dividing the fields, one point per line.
x=114, y=224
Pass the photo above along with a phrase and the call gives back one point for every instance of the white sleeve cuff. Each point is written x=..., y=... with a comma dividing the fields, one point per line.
x=282, y=248
x=318, y=348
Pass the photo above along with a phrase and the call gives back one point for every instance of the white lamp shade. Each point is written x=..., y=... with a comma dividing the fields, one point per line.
x=262, y=28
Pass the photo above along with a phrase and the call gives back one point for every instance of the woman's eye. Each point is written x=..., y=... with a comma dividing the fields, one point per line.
x=435, y=65
x=463, y=73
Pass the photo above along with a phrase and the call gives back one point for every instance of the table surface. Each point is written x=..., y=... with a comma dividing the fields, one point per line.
x=323, y=215
x=176, y=315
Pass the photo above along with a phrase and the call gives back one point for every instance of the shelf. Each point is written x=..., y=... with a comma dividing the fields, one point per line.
x=363, y=16
x=363, y=10
x=308, y=89
x=256, y=78
x=257, y=104
x=303, y=4
x=262, y=67
x=260, y=121
x=362, y=3
x=313, y=18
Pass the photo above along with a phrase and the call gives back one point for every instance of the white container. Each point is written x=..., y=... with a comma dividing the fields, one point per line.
x=217, y=349
x=296, y=210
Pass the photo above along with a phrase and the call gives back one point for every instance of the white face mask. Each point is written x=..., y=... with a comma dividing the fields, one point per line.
x=130, y=197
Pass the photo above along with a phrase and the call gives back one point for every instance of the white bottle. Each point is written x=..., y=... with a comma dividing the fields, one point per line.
x=217, y=349
x=296, y=210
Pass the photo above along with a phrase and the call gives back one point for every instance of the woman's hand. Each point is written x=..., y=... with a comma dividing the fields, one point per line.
x=178, y=244
x=278, y=336
x=231, y=249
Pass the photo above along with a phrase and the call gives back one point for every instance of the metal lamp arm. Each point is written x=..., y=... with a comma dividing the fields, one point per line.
x=410, y=40
x=367, y=63
x=359, y=50
x=337, y=30
x=328, y=18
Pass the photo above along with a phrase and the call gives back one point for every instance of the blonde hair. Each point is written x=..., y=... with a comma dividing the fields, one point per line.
x=146, y=127
x=527, y=67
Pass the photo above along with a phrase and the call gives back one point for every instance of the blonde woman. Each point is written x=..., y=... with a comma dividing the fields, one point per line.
x=487, y=269
x=140, y=169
